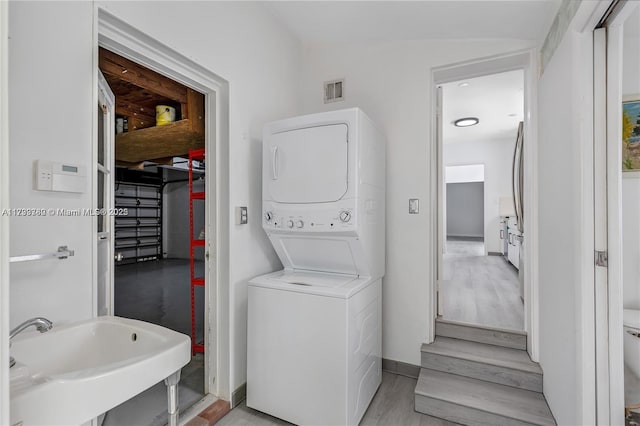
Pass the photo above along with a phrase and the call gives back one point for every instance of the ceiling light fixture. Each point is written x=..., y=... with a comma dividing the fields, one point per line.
x=464, y=84
x=466, y=122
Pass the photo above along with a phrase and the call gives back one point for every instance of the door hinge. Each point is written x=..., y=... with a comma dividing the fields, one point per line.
x=104, y=109
x=601, y=258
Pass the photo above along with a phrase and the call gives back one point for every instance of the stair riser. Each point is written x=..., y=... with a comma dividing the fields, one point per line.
x=487, y=372
x=461, y=414
x=481, y=335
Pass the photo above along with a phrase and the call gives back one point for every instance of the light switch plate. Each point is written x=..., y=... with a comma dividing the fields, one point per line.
x=241, y=216
x=414, y=206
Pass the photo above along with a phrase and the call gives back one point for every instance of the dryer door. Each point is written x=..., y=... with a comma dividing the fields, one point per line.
x=307, y=165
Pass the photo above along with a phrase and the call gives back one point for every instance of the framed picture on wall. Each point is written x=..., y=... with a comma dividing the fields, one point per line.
x=631, y=135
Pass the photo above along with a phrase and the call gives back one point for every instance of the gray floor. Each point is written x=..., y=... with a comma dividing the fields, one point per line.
x=457, y=246
x=480, y=289
x=150, y=407
x=158, y=292
x=392, y=405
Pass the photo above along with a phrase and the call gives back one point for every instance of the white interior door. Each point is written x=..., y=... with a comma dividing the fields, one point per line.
x=307, y=165
x=104, y=196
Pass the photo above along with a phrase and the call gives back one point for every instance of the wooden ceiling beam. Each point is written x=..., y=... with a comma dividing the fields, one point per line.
x=171, y=140
x=129, y=71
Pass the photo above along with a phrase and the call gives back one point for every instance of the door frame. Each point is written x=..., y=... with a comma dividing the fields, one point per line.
x=119, y=37
x=526, y=60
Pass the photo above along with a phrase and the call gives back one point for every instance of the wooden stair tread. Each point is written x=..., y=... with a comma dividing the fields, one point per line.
x=516, y=359
x=518, y=404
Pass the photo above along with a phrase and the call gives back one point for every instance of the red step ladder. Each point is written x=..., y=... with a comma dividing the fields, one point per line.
x=194, y=155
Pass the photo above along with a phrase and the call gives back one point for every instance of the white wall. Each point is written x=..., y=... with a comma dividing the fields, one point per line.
x=565, y=193
x=497, y=157
x=557, y=237
x=391, y=82
x=51, y=115
x=51, y=118
x=631, y=182
x=631, y=56
x=468, y=173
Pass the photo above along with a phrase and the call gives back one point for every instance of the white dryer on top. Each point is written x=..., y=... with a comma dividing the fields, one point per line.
x=323, y=192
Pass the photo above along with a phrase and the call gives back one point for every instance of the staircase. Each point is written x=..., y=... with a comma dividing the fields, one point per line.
x=480, y=376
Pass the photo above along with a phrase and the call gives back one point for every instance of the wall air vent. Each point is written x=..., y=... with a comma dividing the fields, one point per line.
x=333, y=91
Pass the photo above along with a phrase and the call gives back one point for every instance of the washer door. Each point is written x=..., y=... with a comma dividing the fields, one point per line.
x=307, y=165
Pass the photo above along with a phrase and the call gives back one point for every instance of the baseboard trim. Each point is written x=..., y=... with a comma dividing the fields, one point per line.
x=238, y=395
x=400, y=368
x=494, y=253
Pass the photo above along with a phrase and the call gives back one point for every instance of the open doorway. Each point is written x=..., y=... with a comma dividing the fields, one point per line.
x=480, y=280
x=152, y=177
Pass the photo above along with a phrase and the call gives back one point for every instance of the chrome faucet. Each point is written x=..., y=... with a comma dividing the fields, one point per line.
x=41, y=324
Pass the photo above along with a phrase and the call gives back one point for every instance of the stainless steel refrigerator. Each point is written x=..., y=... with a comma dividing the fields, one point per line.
x=517, y=174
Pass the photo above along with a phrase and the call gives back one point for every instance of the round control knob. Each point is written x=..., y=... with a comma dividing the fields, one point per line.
x=290, y=223
x=268, y=216
x=345, y=216
x=299, y=224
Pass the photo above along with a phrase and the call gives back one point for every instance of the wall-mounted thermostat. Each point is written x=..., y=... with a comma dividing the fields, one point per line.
x=63, y=177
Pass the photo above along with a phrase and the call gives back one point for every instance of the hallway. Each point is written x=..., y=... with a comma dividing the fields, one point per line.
x=480, y=289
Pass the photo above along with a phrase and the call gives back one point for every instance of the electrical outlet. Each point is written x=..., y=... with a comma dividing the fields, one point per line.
x=241, y=216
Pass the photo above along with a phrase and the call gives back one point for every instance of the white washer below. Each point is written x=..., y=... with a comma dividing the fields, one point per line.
x=314, y=346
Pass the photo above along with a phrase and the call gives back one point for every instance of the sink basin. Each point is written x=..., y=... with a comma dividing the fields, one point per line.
x=76, y=372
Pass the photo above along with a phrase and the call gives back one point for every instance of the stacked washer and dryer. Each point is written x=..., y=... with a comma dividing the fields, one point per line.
x=314, y=328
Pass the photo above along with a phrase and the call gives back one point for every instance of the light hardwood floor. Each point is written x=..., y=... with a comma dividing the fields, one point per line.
x=392, y=406
x=480, y=289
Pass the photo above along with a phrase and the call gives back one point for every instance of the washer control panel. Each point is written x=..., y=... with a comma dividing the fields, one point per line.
x=275, y=218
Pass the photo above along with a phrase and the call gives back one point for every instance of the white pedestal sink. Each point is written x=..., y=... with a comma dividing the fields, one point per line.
x=75, y=372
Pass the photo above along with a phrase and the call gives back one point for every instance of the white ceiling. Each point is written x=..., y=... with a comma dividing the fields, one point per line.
x=366, y=21
x=492, y=99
